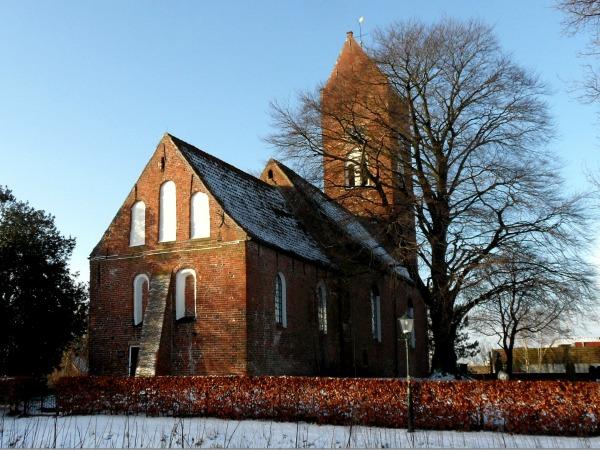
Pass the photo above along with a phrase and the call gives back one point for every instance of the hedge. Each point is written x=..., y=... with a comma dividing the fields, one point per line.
x=532, y=407
x=18, y=392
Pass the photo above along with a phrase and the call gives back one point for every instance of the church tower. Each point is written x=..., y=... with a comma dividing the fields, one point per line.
x=366, y=160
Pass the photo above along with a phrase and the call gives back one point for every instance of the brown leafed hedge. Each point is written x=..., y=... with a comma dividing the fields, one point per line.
x=532, y=407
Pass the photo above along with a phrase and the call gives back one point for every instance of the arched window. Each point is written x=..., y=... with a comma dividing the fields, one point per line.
x=185, y=294
x=167, y=228
x=280, y=300
x=141, y=284
x=200, y=216
x=356, y=169
x=376, y=313
x=137, y=234
x=322, y=307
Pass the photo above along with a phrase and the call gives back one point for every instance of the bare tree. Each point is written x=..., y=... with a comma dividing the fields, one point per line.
x=465, y=143
x=540, y=296
x=582, y=16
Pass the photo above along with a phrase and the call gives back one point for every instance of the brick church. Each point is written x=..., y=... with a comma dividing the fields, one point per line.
x=207, y=270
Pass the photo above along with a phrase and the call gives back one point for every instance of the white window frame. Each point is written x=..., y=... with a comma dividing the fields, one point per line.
x=283, y=306
x=167, y=221
x=322, y=306
x=138, y=297
x=199, y=216
x=180, y=284
x=137, y=233
x=376, y=315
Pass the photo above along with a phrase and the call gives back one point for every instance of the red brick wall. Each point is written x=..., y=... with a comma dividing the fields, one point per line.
x=358, y=94
x=215, y=341
x=366, y=355
x=300, y=348
x=234, y=331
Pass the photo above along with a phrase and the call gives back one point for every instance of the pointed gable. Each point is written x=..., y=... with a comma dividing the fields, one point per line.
x=354, y=65
x=337, y=216
x=260, y=209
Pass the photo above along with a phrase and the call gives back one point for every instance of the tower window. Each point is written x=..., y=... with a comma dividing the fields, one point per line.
x=356, y=169
x=167, y=230
x=280, y=300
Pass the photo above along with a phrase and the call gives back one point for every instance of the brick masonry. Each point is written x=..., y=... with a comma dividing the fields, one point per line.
x=234, y=330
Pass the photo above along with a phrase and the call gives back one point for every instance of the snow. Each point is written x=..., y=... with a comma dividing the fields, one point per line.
x=166, y=432
x=262, y=210
x=257, y=207
x=348, y=223
x=359, y=234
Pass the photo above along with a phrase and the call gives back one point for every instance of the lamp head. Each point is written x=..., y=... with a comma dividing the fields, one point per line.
x=406, y=324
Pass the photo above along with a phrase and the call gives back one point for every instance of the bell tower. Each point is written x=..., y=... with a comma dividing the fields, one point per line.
x=366, y=161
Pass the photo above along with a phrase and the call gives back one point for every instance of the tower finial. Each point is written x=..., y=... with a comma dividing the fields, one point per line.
x=361, y=19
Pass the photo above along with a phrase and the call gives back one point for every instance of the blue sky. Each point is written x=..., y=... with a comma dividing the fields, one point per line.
x=88, y=88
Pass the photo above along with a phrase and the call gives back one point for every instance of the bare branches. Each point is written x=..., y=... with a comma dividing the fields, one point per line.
x=580, y=13
x=581, y=16
x=459, y=137
x=534, y=295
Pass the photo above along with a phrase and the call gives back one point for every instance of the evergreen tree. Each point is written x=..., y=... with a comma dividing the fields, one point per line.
x=42, y=306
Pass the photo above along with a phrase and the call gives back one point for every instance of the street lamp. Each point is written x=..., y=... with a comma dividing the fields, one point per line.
x=406, y=327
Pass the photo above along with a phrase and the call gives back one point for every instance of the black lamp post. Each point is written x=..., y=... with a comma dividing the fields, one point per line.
x=406, y=327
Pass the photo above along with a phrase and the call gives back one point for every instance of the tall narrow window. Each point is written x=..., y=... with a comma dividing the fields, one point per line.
x=185, y=294
x=280, y=300
x=134, y=352
x=376, y=313
x=356, y=169
x=350, y=174
x=322, y=307
x=141, y=285
x=410, y=312
x=200, y=216
x=167, y=228
x=137, y=234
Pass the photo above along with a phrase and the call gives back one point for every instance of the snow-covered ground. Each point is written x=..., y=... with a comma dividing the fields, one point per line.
x=163, y=432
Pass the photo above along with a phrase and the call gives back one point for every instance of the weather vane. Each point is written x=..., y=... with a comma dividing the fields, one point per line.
x=361, y=19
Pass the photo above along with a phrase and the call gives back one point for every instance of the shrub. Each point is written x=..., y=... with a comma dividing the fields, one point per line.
x=533, y=407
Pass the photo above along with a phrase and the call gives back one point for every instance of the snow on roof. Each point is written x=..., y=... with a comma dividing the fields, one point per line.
x=349, y=223
x=260, y=209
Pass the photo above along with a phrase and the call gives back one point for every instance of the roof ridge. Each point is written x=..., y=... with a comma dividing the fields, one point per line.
x=348, y=219
x=260, y=209
x=207, y=155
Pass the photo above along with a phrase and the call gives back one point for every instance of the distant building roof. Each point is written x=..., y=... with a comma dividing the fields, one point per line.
x=554, y=355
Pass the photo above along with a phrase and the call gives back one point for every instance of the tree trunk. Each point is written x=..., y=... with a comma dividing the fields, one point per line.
x=509, y=360
x=444, y=355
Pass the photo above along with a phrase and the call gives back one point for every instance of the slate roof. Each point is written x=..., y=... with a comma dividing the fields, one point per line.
x=346, y=222
x=260, y=209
